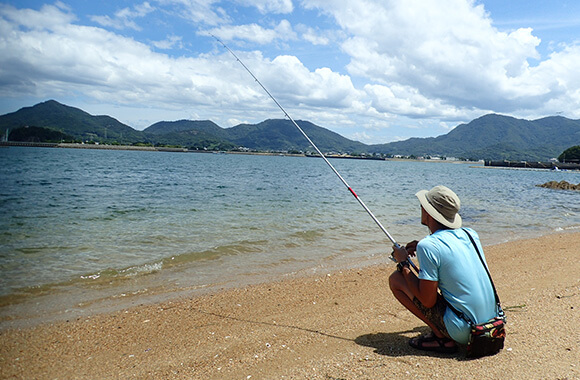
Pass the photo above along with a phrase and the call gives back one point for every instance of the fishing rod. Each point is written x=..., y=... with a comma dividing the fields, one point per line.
x=318, y=151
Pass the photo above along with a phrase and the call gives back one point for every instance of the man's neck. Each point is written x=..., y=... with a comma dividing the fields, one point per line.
x=436, y=226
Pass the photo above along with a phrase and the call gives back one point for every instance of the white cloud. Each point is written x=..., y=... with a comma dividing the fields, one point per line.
x=299, y=86
x=47, y=16
x=363, y=137
x=255, y=33
x=124, y=17
x=195, y=11
x=313, y=36
x=406, y=100
x=64, y=58
x=556, y=84
x=169, y=43
x=408, y=60
x=269, y=6
x=446, y=126
x=444, y=56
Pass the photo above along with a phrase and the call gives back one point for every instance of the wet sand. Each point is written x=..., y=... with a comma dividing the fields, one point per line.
x=340, y=325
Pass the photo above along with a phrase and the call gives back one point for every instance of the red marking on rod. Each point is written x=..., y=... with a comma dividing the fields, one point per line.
x=352, y=191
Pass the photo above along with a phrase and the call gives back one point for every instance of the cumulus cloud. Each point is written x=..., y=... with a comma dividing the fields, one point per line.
x=27, y=18
x=445, y=54
x=62, y=57
x=321, y=88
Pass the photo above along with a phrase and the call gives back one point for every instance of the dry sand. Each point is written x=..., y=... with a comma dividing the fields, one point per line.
x=343, y=325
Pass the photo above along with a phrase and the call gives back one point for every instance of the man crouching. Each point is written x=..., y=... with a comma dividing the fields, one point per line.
x=449, y=263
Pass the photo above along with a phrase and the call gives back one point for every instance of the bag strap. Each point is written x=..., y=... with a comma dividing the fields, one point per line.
x=485, y=266
x=500, y=310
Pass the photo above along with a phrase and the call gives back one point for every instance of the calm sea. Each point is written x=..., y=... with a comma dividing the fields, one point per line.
x=85, y=230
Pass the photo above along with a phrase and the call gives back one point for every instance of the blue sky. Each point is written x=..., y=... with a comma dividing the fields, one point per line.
x=375, y=71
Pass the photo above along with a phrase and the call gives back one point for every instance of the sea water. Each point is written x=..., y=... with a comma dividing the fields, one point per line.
x=82, y=227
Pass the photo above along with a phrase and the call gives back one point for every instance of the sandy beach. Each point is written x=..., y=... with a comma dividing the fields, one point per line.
x=339, y=325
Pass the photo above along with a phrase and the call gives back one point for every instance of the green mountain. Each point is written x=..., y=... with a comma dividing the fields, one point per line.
x=282, y=135
x=205, y=126
x=39, y=134
x=270, y=135
x=71, y=121
x=490, y=137
x=495, y=137
x=193, y=134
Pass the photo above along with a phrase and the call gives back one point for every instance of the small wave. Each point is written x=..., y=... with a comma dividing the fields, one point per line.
x=243, y=247
x=124, y=273
x=568, y=228
x=310, y=235
x=98, y=280
x=112, y=277
x=142, y=269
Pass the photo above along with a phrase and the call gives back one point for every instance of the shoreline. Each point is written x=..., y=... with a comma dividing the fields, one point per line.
x=185, y=150
x=57, y=302
x=338, y=324
x=53, y=303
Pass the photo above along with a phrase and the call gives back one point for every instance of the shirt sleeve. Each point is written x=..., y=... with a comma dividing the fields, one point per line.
x=428, y=261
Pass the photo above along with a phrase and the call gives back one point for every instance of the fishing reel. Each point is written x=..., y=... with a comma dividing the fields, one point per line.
x=392, y=257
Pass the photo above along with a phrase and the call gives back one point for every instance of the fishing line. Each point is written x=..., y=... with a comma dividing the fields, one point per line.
x=317, y=150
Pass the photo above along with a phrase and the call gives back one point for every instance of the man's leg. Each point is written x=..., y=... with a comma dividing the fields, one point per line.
x=402, y=293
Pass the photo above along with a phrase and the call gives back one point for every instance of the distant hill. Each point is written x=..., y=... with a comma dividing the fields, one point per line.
x=491, y=137
x=39, y=134
x=206, y=126
x=270, y=135
x=495, y=137
x=71, y=121
x=193, y=134
x=277, y=134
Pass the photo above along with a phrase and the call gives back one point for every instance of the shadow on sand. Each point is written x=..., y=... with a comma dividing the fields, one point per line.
x=396, y=344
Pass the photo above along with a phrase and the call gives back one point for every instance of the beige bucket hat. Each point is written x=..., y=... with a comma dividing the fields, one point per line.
x=442, y=204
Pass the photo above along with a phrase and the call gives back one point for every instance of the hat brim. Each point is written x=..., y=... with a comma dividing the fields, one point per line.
x=451, y=223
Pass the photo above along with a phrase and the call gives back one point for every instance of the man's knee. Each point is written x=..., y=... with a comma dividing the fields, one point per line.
x=396, y=281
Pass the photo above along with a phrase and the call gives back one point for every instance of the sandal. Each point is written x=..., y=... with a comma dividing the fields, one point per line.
x=441, y=347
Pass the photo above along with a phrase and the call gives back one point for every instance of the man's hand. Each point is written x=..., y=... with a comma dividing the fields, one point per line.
x=400, y=253
x=412, y=247
x=403, y=253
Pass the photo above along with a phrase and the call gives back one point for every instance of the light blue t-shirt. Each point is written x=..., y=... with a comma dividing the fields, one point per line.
x=448, y=257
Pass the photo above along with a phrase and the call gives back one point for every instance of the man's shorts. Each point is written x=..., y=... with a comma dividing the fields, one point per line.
x=434, y=314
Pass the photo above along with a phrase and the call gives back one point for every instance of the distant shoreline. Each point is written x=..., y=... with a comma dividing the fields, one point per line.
x=85, y=146
x=185, y=150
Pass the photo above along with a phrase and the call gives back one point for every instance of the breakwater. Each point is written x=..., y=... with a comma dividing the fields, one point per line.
x=534, y=165
x=92, y=146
